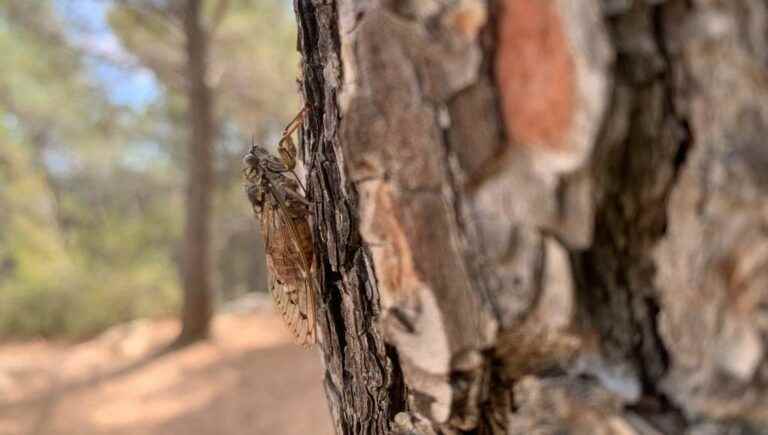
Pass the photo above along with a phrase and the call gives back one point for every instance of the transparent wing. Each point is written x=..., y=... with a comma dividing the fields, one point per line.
x=291, y=283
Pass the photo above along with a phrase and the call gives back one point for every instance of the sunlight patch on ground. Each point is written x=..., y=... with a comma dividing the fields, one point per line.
x=248, y=379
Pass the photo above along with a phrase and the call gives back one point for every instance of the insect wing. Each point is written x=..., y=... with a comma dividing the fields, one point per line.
x=291, y=282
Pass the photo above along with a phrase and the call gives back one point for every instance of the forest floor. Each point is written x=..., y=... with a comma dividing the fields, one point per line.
x=248, y=379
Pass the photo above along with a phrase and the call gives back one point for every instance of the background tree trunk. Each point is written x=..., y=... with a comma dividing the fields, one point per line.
x=540, y=216
x=197, y=307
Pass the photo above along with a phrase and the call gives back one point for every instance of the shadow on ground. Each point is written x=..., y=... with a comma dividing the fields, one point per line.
x=247, y=380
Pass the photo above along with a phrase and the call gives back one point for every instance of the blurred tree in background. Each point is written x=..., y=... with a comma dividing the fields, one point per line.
x=92, y=169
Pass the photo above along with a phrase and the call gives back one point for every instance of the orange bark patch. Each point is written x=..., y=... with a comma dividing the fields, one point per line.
x=535, y=74
x=392, y=253
x=467, y=18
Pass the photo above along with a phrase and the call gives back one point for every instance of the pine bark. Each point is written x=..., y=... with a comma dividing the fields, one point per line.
x=540, y=216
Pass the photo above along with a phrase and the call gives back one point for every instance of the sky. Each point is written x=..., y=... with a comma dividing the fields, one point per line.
x=134, y=87
x=88, y=28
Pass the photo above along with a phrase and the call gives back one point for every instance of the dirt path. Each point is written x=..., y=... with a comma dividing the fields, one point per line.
x=248, y=380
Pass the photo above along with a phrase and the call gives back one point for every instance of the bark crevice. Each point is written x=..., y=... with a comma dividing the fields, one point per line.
x=617, y=272
x=499, y=260
x=363, y=381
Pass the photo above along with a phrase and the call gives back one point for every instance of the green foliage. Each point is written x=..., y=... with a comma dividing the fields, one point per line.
x=253, y=58
x=49, y=286
x=84, y=242
x=77, y=305
x=91, y=193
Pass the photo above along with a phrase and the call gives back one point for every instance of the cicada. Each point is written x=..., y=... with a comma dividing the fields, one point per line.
x=279, y=204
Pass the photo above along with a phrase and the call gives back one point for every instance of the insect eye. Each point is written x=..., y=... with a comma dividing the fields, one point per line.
x=250, y=160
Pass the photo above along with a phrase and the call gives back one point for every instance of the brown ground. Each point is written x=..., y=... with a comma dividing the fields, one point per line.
x=248, y=380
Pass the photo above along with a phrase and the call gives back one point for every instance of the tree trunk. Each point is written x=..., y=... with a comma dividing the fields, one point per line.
x=540, y=216
x=197, y=308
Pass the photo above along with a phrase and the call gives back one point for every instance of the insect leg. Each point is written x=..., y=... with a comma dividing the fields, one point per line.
x=286, y=147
